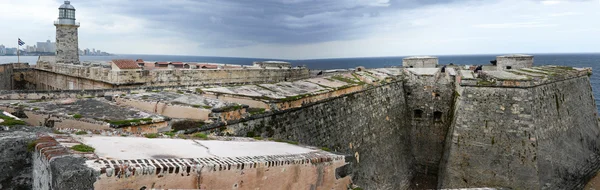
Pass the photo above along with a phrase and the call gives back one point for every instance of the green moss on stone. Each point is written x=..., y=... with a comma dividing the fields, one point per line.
x=151, y=135
x=83, y=148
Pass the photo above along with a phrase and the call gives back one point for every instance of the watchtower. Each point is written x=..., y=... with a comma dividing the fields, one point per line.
x=67, y=43
x=420, y=62
x=516, y=61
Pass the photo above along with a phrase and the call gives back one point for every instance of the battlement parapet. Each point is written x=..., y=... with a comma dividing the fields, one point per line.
x=520, y=78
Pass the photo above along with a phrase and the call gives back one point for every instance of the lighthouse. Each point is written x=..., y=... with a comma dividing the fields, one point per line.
x=67, y=43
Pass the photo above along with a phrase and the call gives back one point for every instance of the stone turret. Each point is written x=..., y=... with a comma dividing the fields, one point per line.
x=516, y=61
x=420, y=62
x=67, y=43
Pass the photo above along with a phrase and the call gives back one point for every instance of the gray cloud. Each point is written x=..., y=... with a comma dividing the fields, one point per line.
x=235, y=23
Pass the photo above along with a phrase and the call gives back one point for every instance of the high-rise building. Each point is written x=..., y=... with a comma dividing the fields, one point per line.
x=67, y=43
x=2, y=50
x=47, y=46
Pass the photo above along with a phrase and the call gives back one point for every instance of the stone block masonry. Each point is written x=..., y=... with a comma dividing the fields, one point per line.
x=544, y=137
x=366, y=125
x=67, y=45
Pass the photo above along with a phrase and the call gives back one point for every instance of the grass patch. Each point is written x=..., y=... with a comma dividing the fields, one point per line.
x=253, y=111
x=207, y=107
x=485, y=83
x=258, y=138
x=34, y=101
x=326, y=149
x=123, y=94
x=83, y=148
x=297, y=97
x=81, y=133
x=36, y=109
x=77, y=116
x=151, y=135
x=179, y=92
x=286, y=141
x=57, y=132
x=182, y=136
x=196, y=106
x=231, y=108
x=201, y=136
x=144, y=97
x=130, y=122
x=199, y=91
x=170, y=133
x=10, y=121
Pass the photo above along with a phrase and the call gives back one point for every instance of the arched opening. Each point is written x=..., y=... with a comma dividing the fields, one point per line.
x=418, y=114
x=508, y=67
x=437, y=116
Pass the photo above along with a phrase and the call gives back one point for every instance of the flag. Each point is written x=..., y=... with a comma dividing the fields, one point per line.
x=21, y=43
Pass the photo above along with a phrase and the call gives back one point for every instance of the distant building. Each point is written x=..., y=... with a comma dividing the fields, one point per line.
x=124, y=64
x=31, y=48
x=2, y=50
x=279, y=64
x=46, y=47
x=420, y=62
x=11, y=51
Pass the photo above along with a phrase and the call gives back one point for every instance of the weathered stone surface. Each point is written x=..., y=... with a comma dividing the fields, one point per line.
x=544, y=137
x=15, y=158
x=367, y=126
x=429, y=103
x=67, y=44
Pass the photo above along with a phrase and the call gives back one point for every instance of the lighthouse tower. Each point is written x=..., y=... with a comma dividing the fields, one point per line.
x=67, y=44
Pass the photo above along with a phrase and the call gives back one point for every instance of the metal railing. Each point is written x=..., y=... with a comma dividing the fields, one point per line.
x=66, y=23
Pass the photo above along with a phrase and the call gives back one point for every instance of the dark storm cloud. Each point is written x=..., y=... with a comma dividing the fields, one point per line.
x=235, y=23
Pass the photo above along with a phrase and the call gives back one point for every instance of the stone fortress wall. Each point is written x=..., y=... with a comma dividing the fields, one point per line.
x=365, y=125
x=502, y=133
x=52, y=76
x=539, y=137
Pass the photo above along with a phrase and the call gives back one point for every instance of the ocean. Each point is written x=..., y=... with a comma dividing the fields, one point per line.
x=575, y=60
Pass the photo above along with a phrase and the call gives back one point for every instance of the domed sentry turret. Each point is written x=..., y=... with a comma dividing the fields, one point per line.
x=67, y=42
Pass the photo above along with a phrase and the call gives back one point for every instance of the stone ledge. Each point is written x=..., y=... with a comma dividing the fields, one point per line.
x=52, y=146
x=189, y=166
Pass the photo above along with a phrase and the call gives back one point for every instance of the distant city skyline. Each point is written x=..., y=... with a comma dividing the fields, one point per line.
x=306, y=29
x=44, y=47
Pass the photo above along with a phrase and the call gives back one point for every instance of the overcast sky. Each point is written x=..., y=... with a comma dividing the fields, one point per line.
x=304, y=29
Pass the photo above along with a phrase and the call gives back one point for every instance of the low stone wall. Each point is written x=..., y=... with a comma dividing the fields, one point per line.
x=306, y=171
x=58, y=167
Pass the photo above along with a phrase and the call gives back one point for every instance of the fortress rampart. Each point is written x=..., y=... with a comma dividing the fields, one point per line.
x=51, y=76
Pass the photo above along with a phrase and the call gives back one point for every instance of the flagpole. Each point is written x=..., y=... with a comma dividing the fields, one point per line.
x=18, y=49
